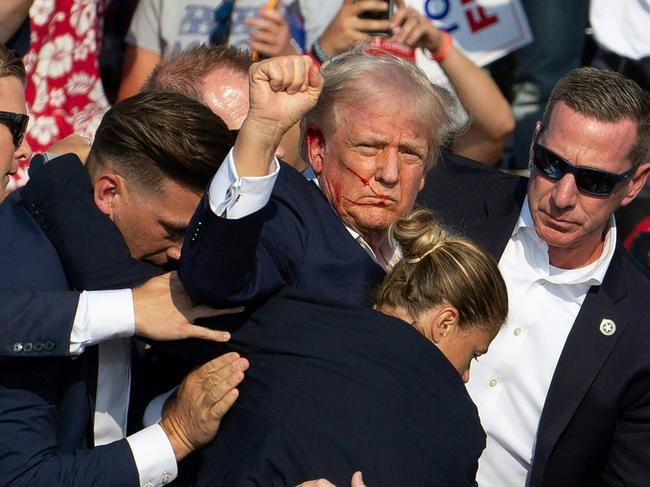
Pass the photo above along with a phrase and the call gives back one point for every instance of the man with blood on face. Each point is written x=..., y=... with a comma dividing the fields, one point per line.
x=327, y=236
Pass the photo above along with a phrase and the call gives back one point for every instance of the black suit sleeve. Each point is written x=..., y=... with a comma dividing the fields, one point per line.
x=628, y=463
x=30, y=442
x=36, y=324
x=92, y=250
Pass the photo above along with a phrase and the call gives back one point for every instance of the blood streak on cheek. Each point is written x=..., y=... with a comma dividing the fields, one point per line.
x=366, y=183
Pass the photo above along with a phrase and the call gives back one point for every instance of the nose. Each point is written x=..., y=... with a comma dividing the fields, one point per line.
x=174, y=252
x=387, y=169
x=22, y=153
x=565, y=192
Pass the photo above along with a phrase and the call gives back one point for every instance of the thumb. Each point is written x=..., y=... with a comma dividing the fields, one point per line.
x=315, y=79
x=203, y=333
x=400, y=4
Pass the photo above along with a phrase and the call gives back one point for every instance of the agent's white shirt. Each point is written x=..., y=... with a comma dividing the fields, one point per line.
x=510, y=383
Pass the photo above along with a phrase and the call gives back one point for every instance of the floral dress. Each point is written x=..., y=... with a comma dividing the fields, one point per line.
x=64, y=91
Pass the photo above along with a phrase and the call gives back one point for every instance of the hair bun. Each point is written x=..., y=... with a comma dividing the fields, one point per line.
x=418, y=235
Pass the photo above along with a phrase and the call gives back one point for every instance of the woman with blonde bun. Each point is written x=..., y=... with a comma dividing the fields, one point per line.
x=335, y=388
x=446, y=287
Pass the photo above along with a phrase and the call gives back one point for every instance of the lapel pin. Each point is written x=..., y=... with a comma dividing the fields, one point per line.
x=607, y=327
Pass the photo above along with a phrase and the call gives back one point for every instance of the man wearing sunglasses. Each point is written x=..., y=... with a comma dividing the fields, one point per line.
x=13, y=120
x=564, y=392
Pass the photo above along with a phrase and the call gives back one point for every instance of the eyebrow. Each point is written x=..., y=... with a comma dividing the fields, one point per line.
x=174, y=227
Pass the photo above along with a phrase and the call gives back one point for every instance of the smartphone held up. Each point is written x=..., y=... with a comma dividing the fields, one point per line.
x=384, y=15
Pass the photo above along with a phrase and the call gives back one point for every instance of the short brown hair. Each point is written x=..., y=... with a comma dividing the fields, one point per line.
x=605, y=96
x=437, y=268
x=185, y=71
x=11, y=65
x=153, y=135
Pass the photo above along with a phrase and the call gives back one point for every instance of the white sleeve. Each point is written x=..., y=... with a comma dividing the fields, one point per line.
x=233, y=197
x=102, y=316
x=154, y=456
x=145, y=29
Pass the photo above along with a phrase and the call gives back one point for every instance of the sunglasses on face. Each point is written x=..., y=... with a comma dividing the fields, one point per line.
x=593, y=182
x=222, y=17
x=17, y=124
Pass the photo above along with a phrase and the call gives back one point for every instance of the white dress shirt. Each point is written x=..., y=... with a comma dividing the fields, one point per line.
x=510, y=383
x=107, y=318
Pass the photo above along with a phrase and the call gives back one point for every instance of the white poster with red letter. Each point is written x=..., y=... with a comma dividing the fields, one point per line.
x=484, y=29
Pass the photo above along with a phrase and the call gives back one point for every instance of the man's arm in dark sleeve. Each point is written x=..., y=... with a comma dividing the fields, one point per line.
x=36, y=324
x=629, y=455
x=30, y=453
x=94, y=255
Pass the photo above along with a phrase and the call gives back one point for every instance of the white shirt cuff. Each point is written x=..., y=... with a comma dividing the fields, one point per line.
x=154, y=456
x=102, y=316
x=233, y=197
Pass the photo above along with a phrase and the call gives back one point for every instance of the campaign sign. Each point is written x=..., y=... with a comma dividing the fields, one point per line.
x=484, y=29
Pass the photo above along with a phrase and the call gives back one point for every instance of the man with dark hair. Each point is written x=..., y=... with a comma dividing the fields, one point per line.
x=563, y=393
x=147, y=186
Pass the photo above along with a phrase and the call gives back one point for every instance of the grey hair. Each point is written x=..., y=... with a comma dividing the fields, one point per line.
x=355, y=76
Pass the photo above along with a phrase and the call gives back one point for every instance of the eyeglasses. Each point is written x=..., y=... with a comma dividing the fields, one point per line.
x=222, y=16
x=17, y=124
x=593, y=182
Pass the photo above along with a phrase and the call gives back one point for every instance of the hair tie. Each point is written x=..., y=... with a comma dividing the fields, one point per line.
x=415, y=260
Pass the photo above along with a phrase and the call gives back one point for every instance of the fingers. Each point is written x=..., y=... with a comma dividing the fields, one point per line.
x=368, y=6
x=220, y=409
x=287, y=73
x=217, y=372
x=357, y=480
x=317, y=483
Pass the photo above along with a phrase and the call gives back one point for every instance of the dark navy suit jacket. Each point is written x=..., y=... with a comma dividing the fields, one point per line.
x=595, y=424
x=296, y=240
x=46, y=403
x=334, y=388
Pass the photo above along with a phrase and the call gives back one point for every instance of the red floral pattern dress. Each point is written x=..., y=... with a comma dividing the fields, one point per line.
x=64, y=91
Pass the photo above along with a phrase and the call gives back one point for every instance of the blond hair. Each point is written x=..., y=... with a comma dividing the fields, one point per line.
x=442, y=268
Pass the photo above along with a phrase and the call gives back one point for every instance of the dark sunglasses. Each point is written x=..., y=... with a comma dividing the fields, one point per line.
x=593, y=182
x=222, y=16
x=17, y=124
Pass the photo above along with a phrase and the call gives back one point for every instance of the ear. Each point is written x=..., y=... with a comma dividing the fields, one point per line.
x=108, y=191
x=637, y=183
x=422, y=181
x=443, y=322
x=315, y=148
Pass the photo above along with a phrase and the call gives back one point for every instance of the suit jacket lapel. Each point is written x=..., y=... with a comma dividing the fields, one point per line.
x=583, y=355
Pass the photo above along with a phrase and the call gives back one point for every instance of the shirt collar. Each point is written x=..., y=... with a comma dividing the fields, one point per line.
x=592, y=274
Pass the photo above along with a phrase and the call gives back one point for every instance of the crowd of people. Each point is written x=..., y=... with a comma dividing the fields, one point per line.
x=274, y=258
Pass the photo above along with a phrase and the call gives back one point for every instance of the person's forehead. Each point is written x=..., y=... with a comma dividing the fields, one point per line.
x=225, y=92
x=12, y=96
x=587, y=142
x=375, y=117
